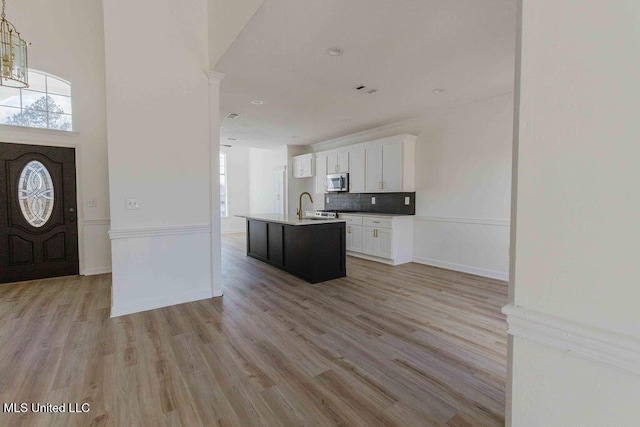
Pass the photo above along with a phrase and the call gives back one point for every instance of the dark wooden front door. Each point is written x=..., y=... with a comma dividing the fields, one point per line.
x=38, y=218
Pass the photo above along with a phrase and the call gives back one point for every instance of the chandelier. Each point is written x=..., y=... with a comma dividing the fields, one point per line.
x=13, y=55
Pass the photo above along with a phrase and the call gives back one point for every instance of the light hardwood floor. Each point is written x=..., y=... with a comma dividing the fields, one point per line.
x=400, y=346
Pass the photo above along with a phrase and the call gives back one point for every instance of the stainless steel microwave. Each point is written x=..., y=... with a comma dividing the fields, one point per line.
x=337, y=182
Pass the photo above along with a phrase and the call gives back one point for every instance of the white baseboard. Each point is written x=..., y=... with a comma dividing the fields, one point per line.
x=159, y=302
x=371, y=258
x=96, y=270
x=235, y=231
x=585, y=341
x=484, y=272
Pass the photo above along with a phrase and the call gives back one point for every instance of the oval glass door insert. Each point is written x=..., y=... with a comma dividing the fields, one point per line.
x=35, y=193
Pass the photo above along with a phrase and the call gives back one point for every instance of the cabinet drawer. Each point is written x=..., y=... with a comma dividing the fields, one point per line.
x=352, y=220
x=377, y=222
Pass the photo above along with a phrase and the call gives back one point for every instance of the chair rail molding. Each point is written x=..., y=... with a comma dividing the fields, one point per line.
x=158, y=231
x=585, y=341
x=462, y=220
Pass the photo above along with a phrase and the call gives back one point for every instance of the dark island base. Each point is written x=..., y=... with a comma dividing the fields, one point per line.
x=315, y=253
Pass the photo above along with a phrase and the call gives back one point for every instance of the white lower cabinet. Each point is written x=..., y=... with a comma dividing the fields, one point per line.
x=354, y=238
x=386, y=239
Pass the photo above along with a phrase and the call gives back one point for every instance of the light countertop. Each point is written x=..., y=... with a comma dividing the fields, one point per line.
x=381, y=215
x=289, y=220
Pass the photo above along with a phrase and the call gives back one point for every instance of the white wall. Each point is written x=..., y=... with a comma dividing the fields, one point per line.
x=67, y=40
x=261, y=189
x=227, y=19
x=237, y=188
x=577, y=233
x=159, y=152
x=463, y=184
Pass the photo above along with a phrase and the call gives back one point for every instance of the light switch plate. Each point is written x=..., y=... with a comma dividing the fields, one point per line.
x=327, y=199
x=92, y=203
x=407, y=201
x=373, y=200
x=131, y=204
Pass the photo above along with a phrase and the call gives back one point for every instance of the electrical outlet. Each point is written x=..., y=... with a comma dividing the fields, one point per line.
x=407, y=201
x=131, y=204
x=92, y=203
x=373, y=200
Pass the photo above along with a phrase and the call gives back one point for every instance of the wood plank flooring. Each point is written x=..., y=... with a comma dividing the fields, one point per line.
x=397, y=346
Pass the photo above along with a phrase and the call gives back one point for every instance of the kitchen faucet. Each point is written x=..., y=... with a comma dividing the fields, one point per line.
x=300, y=204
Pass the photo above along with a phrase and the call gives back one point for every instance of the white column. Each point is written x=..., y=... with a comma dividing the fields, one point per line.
x=214, y=155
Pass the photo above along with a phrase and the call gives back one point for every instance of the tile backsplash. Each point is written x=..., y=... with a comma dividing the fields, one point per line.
x=390, y=203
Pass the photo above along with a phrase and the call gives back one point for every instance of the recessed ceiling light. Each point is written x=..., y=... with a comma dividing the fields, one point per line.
x=437, y=91
x=257, y=102
x=335, y=51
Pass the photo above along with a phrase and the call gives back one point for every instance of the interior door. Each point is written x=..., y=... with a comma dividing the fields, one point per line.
x=38, y=227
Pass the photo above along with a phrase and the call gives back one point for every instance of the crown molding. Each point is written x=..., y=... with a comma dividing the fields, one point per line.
x=585, y=341
x=357, y=137
x=215, y=77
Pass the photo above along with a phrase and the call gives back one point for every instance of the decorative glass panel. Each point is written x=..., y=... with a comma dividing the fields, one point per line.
x=35, y=193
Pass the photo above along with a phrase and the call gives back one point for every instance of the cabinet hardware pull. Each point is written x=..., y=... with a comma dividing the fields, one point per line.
x=376, y=222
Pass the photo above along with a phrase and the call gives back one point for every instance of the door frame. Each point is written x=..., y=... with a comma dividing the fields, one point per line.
x=60, y=139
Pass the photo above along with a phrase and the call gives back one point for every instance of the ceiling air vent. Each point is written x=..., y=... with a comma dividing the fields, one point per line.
x=232, y=116
x=364, y=89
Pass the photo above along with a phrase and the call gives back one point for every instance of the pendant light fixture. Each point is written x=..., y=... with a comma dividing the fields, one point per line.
x=13, y=55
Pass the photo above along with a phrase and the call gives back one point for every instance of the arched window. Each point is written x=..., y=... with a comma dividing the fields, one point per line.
x=46, y=103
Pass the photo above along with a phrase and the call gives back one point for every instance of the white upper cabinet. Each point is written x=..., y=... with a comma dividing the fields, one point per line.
x=373, y=171
x=303, y=166
x=356, y=170
x=385, y=168
x=338, y=162
x=321, y=173
x=383, y=165
x=392, y=166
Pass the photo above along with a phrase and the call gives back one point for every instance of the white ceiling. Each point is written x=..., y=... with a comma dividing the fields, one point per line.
x=403, y=48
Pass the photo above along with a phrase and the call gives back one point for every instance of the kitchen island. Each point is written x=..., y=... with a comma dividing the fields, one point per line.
x=313, y=250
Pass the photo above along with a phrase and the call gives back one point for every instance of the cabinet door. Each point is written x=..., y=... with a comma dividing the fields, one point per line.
x=384, y=243
x=369, y=241
x=356, y=238
x=321, y=174
x=356, y=170
x=343, y=161
x=297, y=167
x=392, y=166
x=307, y=166
x=373, y=169
x=332, y=163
